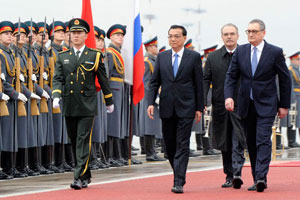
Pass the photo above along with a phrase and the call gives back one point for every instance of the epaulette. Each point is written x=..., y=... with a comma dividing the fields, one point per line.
x=64, y=51
x=290, y=67
x=146, y=58
x=49, y=48
x=97, y=50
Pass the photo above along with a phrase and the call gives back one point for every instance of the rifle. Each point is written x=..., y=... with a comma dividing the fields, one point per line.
x=21, y=105
x=34, y=107
x=44, y=105
x=51, y=66
x=3, y=106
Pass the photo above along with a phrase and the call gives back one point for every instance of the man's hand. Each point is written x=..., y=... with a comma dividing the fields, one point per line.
x=56, y=102
x=198, y=116
x=282, y=112
x=150, y=111
x=5, y=97
x=229, y=104
x=110, y=108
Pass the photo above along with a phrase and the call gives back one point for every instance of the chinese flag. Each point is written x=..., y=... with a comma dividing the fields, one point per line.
x=90, y=42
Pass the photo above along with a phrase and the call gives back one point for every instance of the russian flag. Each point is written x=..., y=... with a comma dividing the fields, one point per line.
x=132, y=52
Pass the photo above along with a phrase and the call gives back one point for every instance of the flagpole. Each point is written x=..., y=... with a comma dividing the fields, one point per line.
x=130, y=125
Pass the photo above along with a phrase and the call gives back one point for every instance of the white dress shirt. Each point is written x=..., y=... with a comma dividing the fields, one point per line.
x=258, y=51
x=232, y=51
x=179, y=53
x=81, y=50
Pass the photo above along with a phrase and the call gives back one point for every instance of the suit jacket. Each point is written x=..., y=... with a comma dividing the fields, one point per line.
x=75, y=81
x=271, y=63
x=182, y=94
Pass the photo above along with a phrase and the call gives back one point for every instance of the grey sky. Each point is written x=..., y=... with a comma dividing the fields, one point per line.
x=281, y=17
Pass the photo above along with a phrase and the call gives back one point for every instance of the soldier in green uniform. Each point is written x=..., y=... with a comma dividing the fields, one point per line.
x=74, y=80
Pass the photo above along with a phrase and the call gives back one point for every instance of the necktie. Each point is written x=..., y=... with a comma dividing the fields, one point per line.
x=77, y=54
x=175, y=64
x=253, y=66
x=230, y=53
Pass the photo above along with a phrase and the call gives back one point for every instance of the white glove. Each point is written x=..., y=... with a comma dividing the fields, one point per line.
x=22, y=78
x=46, y=95
x=33, y=77
x=56, y=102
x=2, y=76
x=110, y=108
x=34, y=96
x=5, y=97
x=22, y=97
x=45, y=76
x=157, y=100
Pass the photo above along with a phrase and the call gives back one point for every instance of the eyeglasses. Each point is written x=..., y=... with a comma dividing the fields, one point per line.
x=174, y=36
x=252, y=31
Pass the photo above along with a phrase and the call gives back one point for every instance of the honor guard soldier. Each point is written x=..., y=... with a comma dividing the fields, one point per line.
x=8, y=128
x=67, y=41
x=47, y=119
x=62, y=145
x=162, y=49
x=152, y=128
x=25, y=128
x=293, y=122
x=74, y=80
x=206, y=143
x=197, y=127
x=100, y=123
x=36, y=137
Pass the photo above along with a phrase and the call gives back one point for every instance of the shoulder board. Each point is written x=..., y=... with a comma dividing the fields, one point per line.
x=64, y=51
x=1, y=50
x=97, y=50
x=49, y=48
x=290, y=67
x=146, y=58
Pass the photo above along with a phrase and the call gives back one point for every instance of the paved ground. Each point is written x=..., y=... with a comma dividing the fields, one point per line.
x=148, y=169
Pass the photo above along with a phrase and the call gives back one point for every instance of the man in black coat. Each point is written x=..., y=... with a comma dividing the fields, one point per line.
x=178, y=72
x=227, y=132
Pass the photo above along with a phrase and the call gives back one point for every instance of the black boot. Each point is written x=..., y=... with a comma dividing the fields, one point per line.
x=291, y=134
x=20, y=161
x=118, y=151
x=93, y=158
x=110, y=153
x=3, y=175
x=207, y=150
x=38, y=167
x=49, y=159
x=69, y=156
x=142, y=145
x=150, y=150
x=198, y=141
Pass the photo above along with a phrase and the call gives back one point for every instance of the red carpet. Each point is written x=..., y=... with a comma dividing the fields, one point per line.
x=283, y=184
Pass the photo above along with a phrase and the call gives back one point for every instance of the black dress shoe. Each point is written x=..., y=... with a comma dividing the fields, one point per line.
x=280, y=146
x=4, y=176
x=77, y=185
x=177, y=189
x=155, y=157
x=209, y=152
x=237, y=182
x=86, y=182
x=67, y=167
x=193, y=154
x=252, y=188
x=261, y=185
x=136, y=162
x=227, y=184
x=55, y=169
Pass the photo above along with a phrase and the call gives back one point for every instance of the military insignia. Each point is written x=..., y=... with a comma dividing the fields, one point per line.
x=88, y=62
x=76, y=22
x=67, y=61
x=86, y=53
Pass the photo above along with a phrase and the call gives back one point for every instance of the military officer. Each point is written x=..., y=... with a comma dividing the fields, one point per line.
x=25, y=128
x=295, y=74
x=35, y=141
x=100, y=123
x=47, y=118
x=66, y=42
x=74, y=79
x=152, y=128
x=62, y=144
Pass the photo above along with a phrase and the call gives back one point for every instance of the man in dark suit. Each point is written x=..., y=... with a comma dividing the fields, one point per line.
x=74, y=79
x=256, y=65
x=227, y=132
x=178, y=72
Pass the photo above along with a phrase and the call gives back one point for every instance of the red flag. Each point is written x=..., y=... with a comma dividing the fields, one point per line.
x=90, y=42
